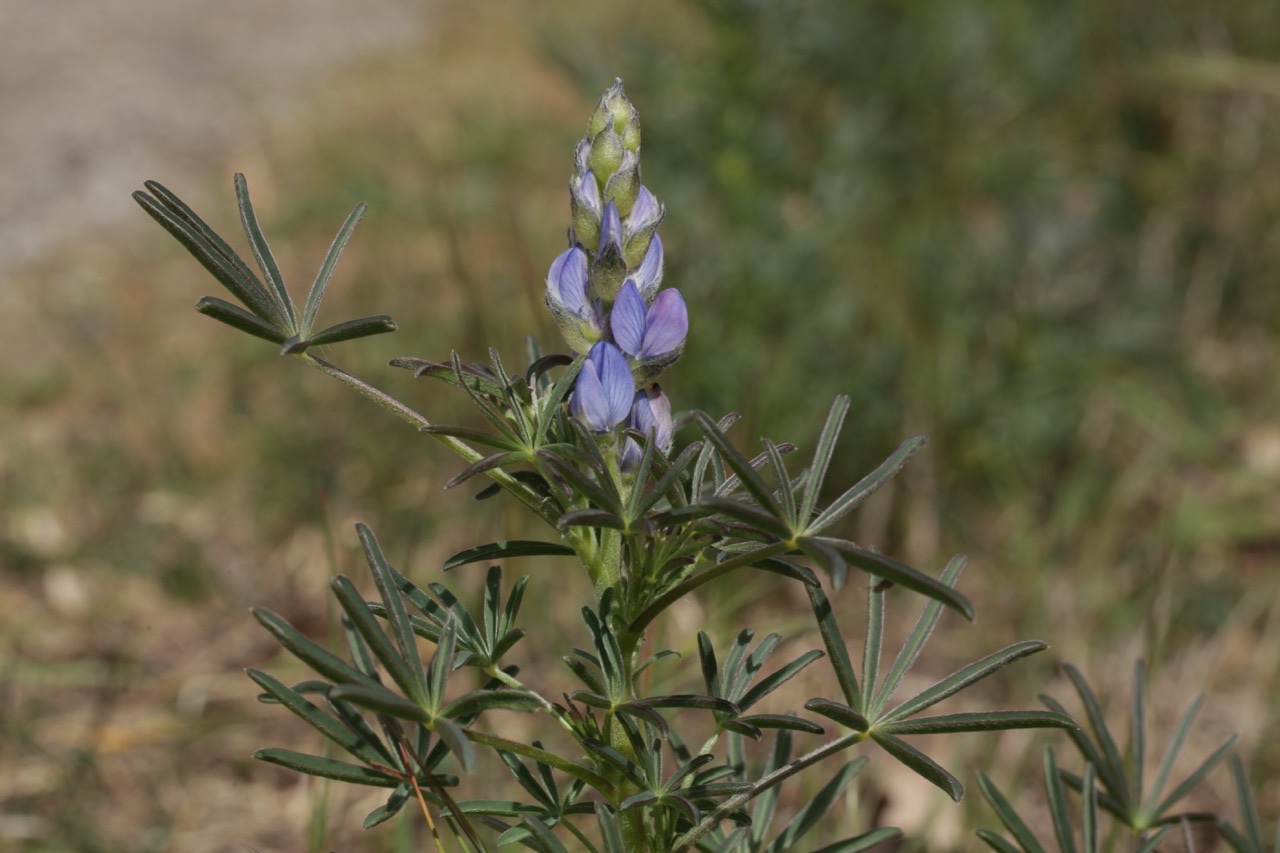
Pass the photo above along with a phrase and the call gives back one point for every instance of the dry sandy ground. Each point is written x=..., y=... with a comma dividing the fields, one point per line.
x=97, y=96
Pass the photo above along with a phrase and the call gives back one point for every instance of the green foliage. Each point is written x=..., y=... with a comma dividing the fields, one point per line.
x=648, y=525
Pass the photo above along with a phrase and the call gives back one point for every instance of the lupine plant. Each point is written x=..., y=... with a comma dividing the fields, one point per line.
x=588, y=442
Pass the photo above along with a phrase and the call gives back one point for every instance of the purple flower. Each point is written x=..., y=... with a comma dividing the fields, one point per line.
x=576, y=311
x=651, y=415
x=604, y=392
x=641, y=226
x=648, y=276
x=652, y=336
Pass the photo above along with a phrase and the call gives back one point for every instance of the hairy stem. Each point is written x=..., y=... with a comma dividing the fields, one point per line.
x=526, y=495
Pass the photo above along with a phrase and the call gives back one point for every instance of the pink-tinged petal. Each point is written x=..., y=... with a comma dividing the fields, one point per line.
x=667, y=324
x=649, y=274
x=627, y=320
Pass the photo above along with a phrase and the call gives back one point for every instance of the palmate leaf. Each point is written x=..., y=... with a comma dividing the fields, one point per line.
x=1114, y=773
x=862, y=711
x=213, y=253
x=270, y=313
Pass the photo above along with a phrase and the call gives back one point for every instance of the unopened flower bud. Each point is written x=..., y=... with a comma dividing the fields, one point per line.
x=606, y=153
x=609, y=268
x=624, y=186
x=585, y=209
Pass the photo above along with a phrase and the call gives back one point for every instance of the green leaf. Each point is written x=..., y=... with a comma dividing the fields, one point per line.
x=1089, y=810
x=842, y=714
x=890, y=569
x=775, y=680
x=213, y=253
x=916, y=640
x=1194, y=778
x=782, y=479
x=641, y=504
x=471, y=434
x=1248, y=809
x=478, y=701
x=922, y=764
x=828, y=558
x=1138, y=733
x=456, y=739
x=232, y=315
x=689, y=700
x=980, y=721
x=817, y=807
x=444, y=371
x=382, y=701
x=822, y=457
x=390, y=809
x=788, y=722
x=397, y=616
x=997, y=843
x=1110, y=766
x=837, y=651
x=326, y=269
x=590, y=518
x=442, y=660
x=549, y=406
x=1170, y=756
x=615, y=759
x=740, y=464
x=1009, y=817
x=488, y=463
x=750, y=514
x=368, y=750
x=505, y=550
x=865, y=487
x=609, y=832
x=329, y=768
x=349, y=330
x=863, y=842
x=318, y=658
x=964, y=677
x=262, y=253
x=1062, y=827
x=548, y=842
x=551, y=759
x=875, y=637
x=366, y=624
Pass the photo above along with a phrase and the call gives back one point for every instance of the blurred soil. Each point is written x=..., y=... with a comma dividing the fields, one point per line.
x=97, y=97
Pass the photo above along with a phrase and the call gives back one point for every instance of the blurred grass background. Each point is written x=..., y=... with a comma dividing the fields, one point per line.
x=1042, y=234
